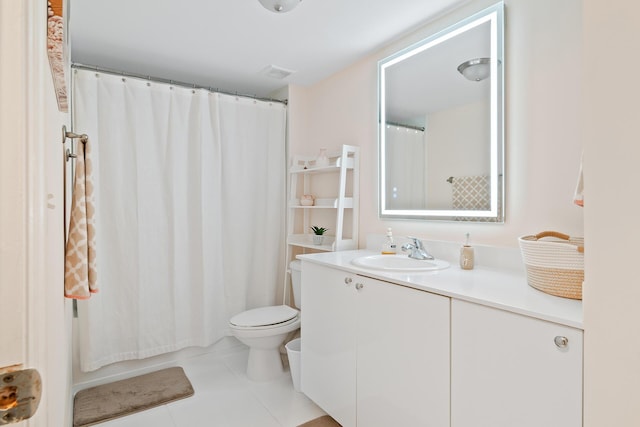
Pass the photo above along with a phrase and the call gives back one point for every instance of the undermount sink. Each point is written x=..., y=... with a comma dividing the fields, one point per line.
x=399, y=263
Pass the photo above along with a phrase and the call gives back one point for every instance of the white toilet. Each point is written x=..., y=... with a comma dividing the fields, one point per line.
x=264, y=331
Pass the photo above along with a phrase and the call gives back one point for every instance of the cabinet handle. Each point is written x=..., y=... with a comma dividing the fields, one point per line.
x=359, y=286
x=348, y=280
x=561, y=342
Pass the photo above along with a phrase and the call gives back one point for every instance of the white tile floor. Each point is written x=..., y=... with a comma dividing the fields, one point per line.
x=225, y=397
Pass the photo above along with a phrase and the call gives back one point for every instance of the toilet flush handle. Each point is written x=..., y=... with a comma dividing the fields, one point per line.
x=359, y=286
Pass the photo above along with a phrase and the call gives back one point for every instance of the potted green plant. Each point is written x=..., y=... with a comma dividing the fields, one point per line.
x=318, y=234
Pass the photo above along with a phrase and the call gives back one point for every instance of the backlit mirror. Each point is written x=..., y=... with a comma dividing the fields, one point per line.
x=441, y=124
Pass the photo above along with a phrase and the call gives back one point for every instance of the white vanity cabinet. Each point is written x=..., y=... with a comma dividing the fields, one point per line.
x=402, y=356
x=512, y=370
x=374, y=353
x=328, y=354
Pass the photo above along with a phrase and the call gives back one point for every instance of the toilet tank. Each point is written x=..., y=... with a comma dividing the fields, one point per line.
x=296, y=274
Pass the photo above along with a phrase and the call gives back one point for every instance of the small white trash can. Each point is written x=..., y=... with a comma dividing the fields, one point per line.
x=293, y=353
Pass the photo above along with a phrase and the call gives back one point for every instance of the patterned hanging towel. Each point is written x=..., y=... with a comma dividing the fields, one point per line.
x=578, y=195
x=471, y=192
x=80, y=254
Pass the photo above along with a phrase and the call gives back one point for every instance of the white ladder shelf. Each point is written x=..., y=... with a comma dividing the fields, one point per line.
x=345, y=163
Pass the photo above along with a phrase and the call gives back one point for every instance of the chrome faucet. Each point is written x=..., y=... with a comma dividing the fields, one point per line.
x=417, y=249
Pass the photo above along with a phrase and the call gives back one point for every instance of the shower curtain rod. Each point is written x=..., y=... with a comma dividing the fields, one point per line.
x=402, y=125
x=173, y=82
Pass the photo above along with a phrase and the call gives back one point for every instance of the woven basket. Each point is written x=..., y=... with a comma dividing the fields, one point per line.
x=554, y=266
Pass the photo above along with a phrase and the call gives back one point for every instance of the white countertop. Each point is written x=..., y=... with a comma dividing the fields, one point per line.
x=494, y=287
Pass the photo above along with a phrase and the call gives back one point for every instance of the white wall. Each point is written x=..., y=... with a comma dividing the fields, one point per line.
x=612, y=175
x=543, y=142
x=36, y=318
x=56, y=310
x=463, y=152
x=12, y=186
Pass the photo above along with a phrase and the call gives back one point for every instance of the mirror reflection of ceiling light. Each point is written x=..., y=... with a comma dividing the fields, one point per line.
x=279, y=6
x=475, y=69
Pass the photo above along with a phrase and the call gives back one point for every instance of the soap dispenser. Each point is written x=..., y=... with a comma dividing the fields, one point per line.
x=466, y=256
x=389, y=247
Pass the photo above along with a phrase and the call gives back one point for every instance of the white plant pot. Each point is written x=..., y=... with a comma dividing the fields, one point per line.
x=318, y=239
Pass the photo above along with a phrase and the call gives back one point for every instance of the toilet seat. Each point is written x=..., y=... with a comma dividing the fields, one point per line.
x=265, y=317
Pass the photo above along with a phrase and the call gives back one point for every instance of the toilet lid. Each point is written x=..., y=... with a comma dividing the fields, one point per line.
x=264, y=316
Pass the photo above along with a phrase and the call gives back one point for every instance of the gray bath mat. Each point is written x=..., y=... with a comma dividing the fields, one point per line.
x=324, y=421
x=105, y=402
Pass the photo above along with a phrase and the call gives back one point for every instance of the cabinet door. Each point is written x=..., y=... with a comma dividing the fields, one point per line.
x=328, y=357
x=403, y=356
x=507, y=370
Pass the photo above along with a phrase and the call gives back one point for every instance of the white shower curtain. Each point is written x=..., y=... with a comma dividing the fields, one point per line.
x=190, y=210
x=405, y=159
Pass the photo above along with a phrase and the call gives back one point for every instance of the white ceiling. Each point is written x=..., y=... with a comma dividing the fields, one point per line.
x=227, y=44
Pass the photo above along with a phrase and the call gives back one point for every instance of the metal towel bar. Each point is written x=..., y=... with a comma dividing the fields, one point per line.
x=66, y=134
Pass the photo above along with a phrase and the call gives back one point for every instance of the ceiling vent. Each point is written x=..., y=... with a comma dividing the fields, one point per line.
x=276, y=72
